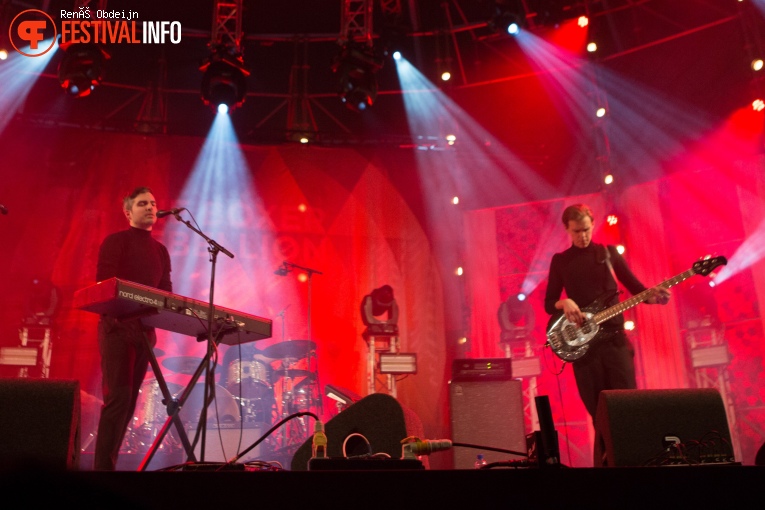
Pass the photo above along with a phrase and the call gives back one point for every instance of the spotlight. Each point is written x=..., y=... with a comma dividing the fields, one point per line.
x=82, y=68
x=356, y=65
x=592, y=47
x=3, y=54
x=505, y=22
x=224, y=81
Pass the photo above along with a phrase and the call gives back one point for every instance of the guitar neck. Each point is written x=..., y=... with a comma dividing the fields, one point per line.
x=635, y=300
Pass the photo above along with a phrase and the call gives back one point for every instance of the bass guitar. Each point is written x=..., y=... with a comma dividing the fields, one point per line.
x=570, y=342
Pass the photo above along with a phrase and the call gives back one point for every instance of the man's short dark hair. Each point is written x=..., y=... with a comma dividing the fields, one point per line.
x=127, y=202
x=576, y=212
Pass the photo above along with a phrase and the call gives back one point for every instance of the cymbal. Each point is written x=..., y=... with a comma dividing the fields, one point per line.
x=289, y=349
x=182, y=364
x=292, y=372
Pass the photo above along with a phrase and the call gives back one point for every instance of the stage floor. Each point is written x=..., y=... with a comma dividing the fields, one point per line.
x=709, y=486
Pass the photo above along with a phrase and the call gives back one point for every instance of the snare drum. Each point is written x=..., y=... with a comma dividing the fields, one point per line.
x=251, y=378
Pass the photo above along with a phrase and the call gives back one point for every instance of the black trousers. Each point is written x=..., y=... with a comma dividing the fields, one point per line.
x=124, y=362
x=608, y=365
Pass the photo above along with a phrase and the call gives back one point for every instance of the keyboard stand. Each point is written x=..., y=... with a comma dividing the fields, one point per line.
x=173, y=406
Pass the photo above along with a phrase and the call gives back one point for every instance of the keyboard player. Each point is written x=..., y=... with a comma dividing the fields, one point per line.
x=134, y=255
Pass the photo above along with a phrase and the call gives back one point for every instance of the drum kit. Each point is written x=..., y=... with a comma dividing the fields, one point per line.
x=265, y=387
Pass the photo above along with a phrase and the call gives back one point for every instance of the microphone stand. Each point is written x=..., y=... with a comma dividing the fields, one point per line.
x=310, y=272
x=214, y=248
x=175, y=404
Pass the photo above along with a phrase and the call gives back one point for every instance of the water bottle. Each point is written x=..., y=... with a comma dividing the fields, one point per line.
x=480, y=461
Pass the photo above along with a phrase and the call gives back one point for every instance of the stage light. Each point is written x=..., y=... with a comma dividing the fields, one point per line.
x=356, y=66
x=600, y=112
x=451, y=139
x=757, y=64
x=396, y=55
x=521, y=297
x=608, y=179
x=621, y=249
x=629, y=325
x=446, y=76
x=82, y=68
x=612, y=219
x=455, y=200
x=758, y=105
x=505, y=22
x=224, y=82
x=3, y=54
x=592, y=47
x=583, y=21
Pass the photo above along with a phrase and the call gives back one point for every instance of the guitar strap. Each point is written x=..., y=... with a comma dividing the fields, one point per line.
x=607, y=260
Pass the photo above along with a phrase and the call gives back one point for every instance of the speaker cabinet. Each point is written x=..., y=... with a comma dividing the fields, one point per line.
x=40, y=423
x=377, y=417
x=487, y=413
x=637, y=427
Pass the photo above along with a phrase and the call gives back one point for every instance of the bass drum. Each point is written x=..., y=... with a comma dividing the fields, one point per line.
x=222, y=410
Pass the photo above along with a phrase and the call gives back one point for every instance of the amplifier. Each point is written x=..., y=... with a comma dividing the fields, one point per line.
x=482, y=369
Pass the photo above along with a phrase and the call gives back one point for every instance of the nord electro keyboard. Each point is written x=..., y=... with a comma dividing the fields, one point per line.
x=123, y=299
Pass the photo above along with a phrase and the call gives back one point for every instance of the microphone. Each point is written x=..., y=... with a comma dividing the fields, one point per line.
x=162, y=214
x=3, y=209
x=282, y=270
x=428, y=446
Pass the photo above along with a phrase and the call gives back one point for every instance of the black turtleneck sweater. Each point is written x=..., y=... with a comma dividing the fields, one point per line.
x=584, y=275
x=134, y=255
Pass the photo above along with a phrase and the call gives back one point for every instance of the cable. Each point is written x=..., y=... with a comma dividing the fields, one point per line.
x=268, y=433
x=563, y=414
x=491, y=448
x=356, y=434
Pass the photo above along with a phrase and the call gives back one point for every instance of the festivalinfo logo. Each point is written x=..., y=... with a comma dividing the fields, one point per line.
x=36, y=31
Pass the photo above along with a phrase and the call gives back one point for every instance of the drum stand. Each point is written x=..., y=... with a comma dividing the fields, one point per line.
x=296, y=431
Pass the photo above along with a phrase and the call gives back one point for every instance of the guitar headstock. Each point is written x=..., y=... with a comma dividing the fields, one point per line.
x=706, y=266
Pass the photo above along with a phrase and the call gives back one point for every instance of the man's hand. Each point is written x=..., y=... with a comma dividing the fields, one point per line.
x=571, y=311
x=659, y=296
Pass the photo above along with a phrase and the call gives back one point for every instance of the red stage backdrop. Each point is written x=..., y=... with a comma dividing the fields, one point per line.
x=362, y=226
